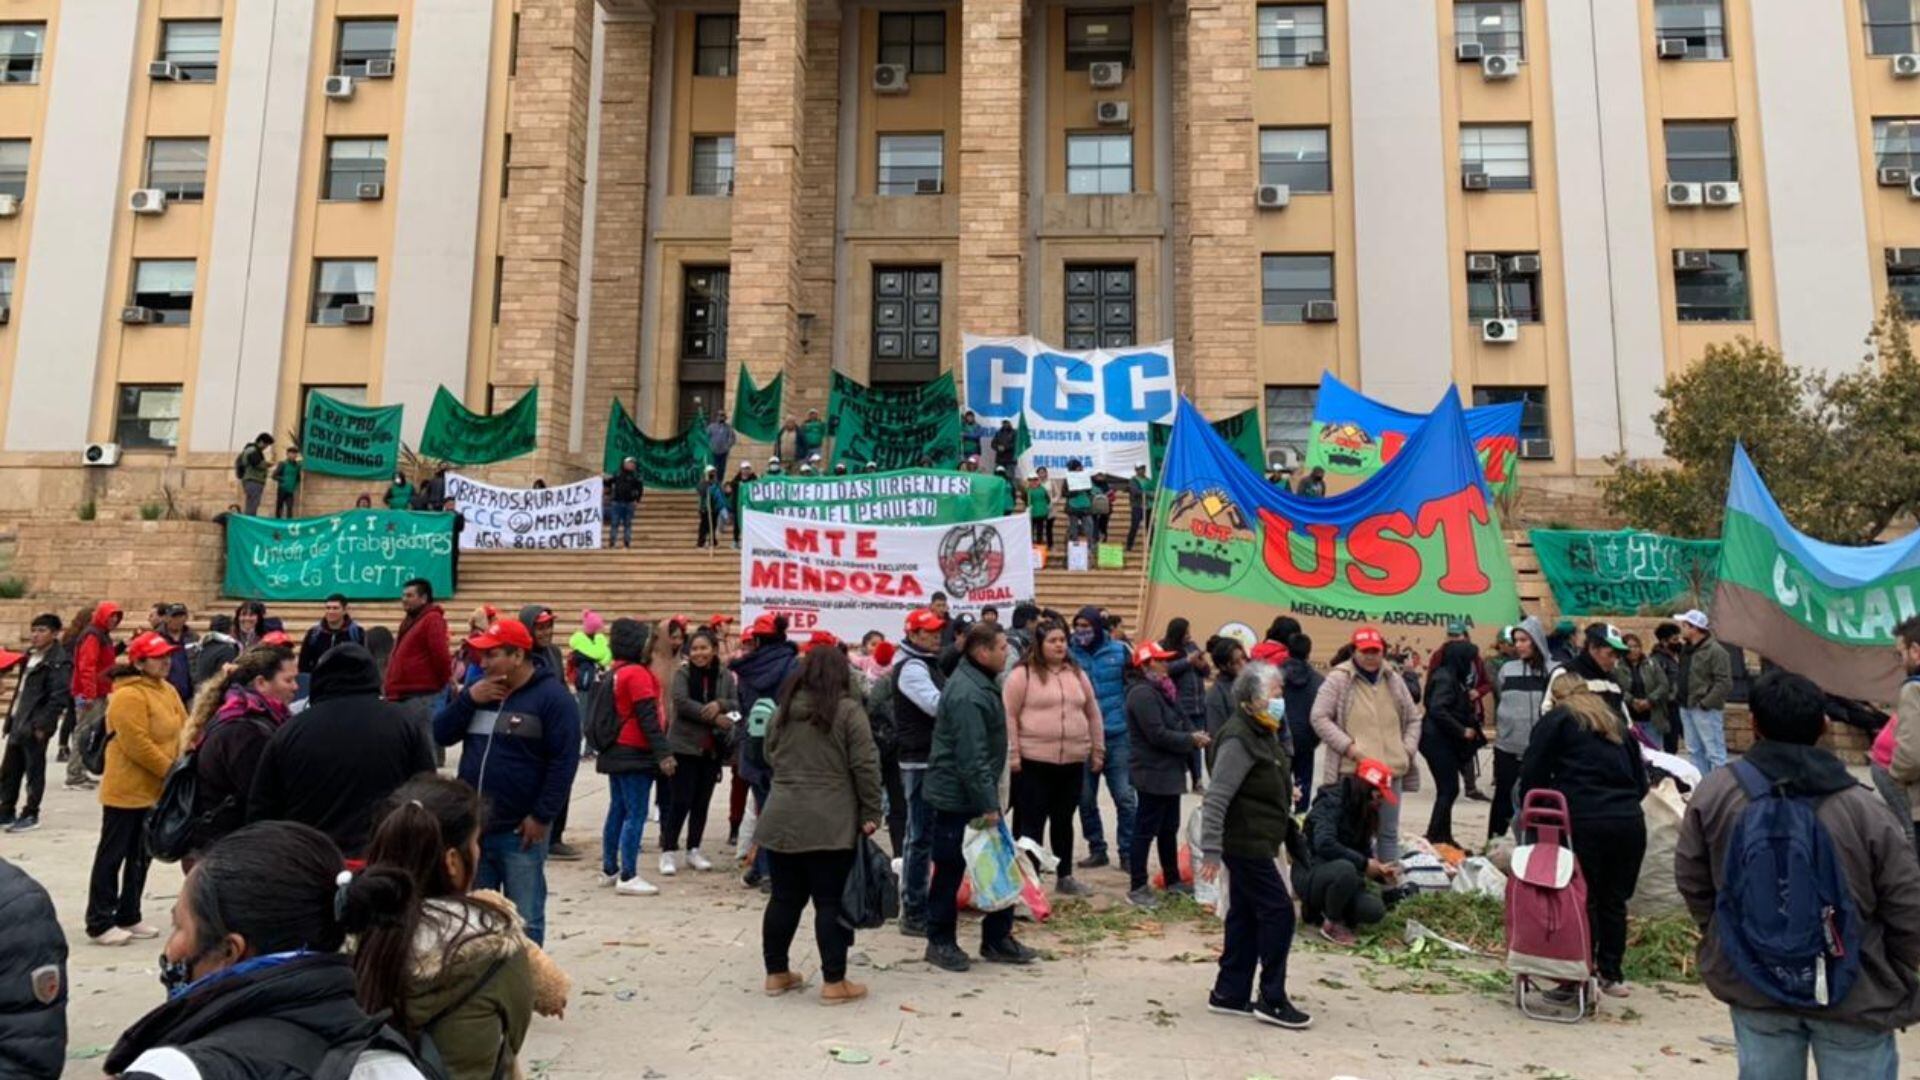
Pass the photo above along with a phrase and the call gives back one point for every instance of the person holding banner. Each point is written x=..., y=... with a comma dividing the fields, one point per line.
x=286, y=477
x=1364, y=712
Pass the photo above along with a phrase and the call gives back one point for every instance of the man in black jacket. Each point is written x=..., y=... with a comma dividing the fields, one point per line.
x=40, y=698
x=33, y=979
x=336, y=627
x=333, y=765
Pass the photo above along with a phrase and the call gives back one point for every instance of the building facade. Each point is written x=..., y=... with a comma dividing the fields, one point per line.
x=209, y=208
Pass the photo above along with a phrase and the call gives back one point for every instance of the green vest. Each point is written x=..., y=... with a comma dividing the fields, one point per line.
x=1260, y=813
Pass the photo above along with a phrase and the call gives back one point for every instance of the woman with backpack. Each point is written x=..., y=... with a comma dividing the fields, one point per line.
x=455, y=970
x=634, y=759
x=705, y=702
x=765, y=662
x=232, y=719
x=1054, y=731
x=256, y=983
x=141, y=737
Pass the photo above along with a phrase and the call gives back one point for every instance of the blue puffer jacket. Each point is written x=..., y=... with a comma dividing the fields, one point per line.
x=1105, y=663
x=760, y=674
x=520, y=754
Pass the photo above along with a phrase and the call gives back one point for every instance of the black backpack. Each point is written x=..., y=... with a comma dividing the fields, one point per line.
x=602, y=722
x=93, y=753
x=174, y=820
x=879, y=705
x=240, y=464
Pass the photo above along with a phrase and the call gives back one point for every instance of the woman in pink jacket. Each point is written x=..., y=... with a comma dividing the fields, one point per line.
x=1054, y=734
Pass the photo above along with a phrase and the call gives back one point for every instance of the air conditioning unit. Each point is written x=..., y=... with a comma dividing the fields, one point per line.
x=1322, y=311
x=1481, y=263
x=1500, y=65
x=1686, y=194
x=1106, y=74
x=1536, y=449
x=135, y=315
x=1723, y=193
x=889, y=78
x=100, y=455
x=380, y=69
x=1476, y=181
x=1272, y=196
x=1906, y=66
x=1318, y=58
x=1469, y=52
x=1499, y=331
x=1913, y=188
x=1111, y=112
x=1692, y=259
x=9, y=206
x=927, y=185
x=1673, y=48
x=1905, y=258
x=339, y=87
x=147, y=201
x=371, y=191
x=163, y=71
x=1894, y=176
x=1523, y=264
x=356, y=314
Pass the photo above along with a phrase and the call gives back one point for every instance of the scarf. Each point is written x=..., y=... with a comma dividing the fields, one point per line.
x=1162, y=684
x=242, y=701
x=702, y=682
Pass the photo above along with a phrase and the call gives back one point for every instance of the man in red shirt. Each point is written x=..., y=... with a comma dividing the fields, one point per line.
x=421, y=667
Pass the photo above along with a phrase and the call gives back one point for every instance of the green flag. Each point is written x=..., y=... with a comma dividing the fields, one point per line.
x=459, y=435
x=1626, y=572
x=1241, y=432
x=1022, y=438
x=361, y=554
x=756, y=412
x=893, y=428
x=674, y=463
x=358, y=441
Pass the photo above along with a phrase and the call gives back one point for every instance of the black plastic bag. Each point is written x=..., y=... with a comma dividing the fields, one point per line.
x=870, y=898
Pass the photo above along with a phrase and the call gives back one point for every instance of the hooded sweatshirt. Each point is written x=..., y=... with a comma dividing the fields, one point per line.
x=460, y=941
x=1523, y=686
x=93, y=654
x=1105, y=662
x=520, y=753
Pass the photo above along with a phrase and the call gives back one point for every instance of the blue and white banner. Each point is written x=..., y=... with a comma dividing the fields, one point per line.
x=1092, y=406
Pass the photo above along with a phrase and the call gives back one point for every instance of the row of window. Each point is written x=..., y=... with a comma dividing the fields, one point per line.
x=192, y=46
x=1290, y=412
x=1295, y=35
x=165, y=288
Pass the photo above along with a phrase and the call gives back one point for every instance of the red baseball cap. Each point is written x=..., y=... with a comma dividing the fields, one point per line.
x=148, y=646
x=821, y=637
x=719, y=621
x=1151, y=650
x=1380, y=777
x=761, y=627
x=1366, y=638
x=275, y=637
x=924, y=619
x=1269, y=652
x=542, y=619
x=510, y=633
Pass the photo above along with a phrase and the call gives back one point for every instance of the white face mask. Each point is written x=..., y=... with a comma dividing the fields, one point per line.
x=1277, y=710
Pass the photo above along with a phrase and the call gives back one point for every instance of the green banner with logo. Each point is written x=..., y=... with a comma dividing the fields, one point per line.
x=894, y=429
x=457, y=434
x=675, y=463
x=342, y=439
x=361, y=554
x=900, y=497
x=1627, y=572
x=756, y=410
x=1241, y=431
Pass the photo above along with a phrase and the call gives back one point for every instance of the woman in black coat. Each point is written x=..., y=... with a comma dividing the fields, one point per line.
x=1450, y=734
x=1162, y=741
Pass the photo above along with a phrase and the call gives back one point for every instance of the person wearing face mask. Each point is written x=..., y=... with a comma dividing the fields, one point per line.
x=256, y=982
x=1364, y=711
x=456, y=972
x=1245, y=820
x=1163, y=744
x=233, y=717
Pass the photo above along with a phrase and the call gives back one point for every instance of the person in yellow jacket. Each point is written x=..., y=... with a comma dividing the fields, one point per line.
x=144, y=720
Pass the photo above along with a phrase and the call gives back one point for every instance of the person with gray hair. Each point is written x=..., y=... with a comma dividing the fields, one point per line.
x=1246, y=819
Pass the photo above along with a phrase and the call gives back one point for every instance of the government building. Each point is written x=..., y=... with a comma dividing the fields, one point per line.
x=211, y=208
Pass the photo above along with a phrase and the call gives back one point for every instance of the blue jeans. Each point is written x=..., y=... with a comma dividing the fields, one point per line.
x=1118, y=775
x=1706, y=732
x=626, y=820
x=520, y=874
x=620, y=524
x=916, y=863
x=1773, y=1046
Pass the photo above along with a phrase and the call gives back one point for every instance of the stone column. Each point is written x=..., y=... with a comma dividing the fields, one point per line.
x=620, y=225
x=1223, y=261
x=808, y=379
x=992, y=168
x=541, y=223
x=765, y=249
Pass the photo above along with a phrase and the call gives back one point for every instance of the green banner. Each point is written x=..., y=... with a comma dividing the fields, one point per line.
x=461, y=436
x=893, y=428
x=901, y=497
x=1627, y=572
x=361, y=554
x=756, y=412
x=358, y=441
x=671, y=464
x=1241, y=432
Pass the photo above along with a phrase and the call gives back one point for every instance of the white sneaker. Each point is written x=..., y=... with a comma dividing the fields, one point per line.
x=667, y=869
x=698, y=861
x=636, y=886
x=142, y=931
x=111, y=936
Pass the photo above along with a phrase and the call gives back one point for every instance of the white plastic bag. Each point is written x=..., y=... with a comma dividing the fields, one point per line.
x=747, y=822
x=1205, y=892
x=1049, y=862
x=1478, y=876
x=993, y=867
x=1655, y=893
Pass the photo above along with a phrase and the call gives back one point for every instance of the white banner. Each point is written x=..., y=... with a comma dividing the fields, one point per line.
x=1092, y=406
x=534, y=519
x=849, y=579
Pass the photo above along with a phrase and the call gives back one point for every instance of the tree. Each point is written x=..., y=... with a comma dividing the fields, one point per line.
x=1874, y=415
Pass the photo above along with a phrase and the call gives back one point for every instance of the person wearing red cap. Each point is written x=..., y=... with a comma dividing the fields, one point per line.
x=144, y=719
x=92, y=660
x=1364, y=711
x=760, y=673
x=917, y=684
x=1337, y=881
x=1163, y=744
x=421, y=666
